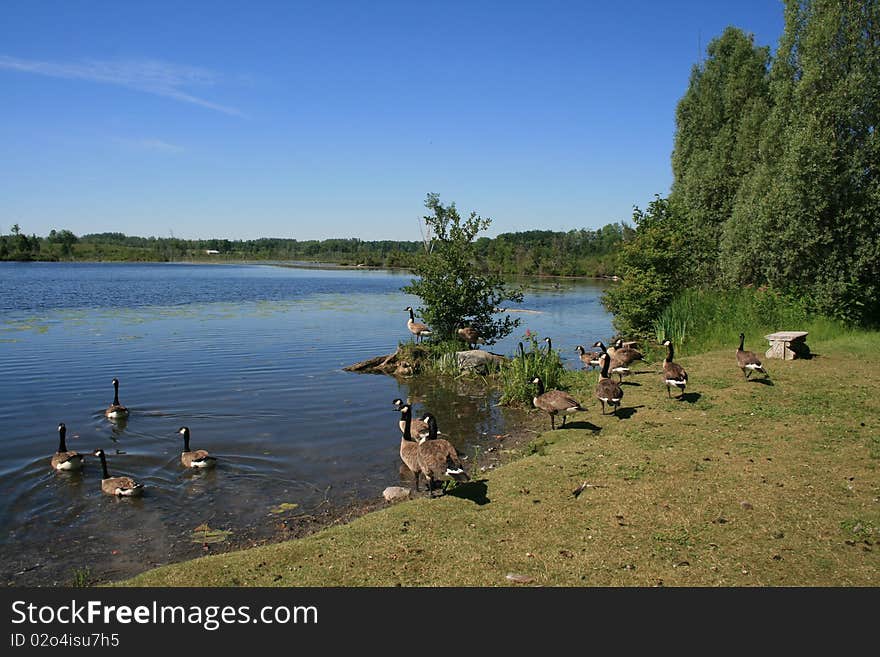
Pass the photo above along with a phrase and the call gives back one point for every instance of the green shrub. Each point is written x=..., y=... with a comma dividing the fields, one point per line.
x=517, y=374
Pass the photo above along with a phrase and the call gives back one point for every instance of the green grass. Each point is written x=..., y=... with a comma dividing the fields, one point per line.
x=81, y=577
x=763, y=486
x=516, y=376
x=698, y=321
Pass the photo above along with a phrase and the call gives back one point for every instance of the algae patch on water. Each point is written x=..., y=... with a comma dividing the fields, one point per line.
x=284, y=506
x=204, y=534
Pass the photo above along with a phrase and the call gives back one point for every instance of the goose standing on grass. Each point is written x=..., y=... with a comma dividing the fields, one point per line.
x=198, y=458
x=409, y=448
x=116, y=410
x=607, y=391
x=470, y=335
x=625, y=355
x=616, y=367
x=438, y=458
x=554, y=402
x=589, y=360
x=748, y=361
x=418, y=329
x=63, y=458
x=119, y=486
x=673, y=373
x=416, y=425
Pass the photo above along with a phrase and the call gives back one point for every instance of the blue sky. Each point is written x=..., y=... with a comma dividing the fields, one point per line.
x=313, y=120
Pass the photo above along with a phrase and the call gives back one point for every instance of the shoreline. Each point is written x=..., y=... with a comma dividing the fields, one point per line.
x=510, y=447
x=669, y=492
x=298, y=264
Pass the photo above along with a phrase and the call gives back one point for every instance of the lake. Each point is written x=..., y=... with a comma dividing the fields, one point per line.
x=250, y=358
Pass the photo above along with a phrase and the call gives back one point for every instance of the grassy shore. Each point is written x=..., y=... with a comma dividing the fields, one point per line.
x=740, y=484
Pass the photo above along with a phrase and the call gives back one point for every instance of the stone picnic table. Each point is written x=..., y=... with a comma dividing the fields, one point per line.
x=788, y=345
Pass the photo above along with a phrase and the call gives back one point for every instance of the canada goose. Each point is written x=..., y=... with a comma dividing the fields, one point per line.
x=470, y=335
x=673, y=373
x=748, y=361
x=409, y=448
x=416, y=425
x=198, y=458
x=116, y=410
x=625, y=355
x=549, y=345
x=616, y=367
x=553, y=402
x=589, y=360
x=64, y=459
x=438, y=458
x=119, y=486
x=607, y=391
x=416, y=328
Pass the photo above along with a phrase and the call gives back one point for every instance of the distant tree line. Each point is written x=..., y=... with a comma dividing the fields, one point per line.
x=573, y=253
x=776, y=173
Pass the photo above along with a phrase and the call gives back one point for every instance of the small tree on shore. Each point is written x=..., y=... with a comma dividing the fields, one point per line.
x=452, y=294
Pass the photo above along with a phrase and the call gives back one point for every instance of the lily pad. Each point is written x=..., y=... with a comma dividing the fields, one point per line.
x=284, y=506
x=204, y=534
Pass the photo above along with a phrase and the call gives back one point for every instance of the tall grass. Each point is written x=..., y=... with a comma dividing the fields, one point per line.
x=700, y=320
x=516, y=375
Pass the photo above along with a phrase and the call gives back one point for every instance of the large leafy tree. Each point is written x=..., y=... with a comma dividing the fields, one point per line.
x=653, y=268
x=452, y=293
x=718, y=122
x=808, y=219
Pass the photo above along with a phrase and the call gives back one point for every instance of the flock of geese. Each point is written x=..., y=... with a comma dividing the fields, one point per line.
x=437, y=459
x=123, y=486
x=618, y=359
x=421, y=449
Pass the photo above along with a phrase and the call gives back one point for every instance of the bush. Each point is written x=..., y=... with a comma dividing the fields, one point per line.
x=517, y=374
x=453, y=294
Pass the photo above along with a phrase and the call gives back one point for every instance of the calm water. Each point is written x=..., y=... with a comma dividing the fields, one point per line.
x=250, y=358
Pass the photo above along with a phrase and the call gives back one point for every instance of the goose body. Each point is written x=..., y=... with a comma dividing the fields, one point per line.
x=65, y=459
x=616, y=366
x=554, y=402
x=198, y=458
x=673, y=373
x=418, y=329
x=748, y=361
x=118, y=486
x=470, y=335
x=438, y=459
x=625, y=355
x=409, y=448
x=607, y=391
x=588, y=359
x=116, y=410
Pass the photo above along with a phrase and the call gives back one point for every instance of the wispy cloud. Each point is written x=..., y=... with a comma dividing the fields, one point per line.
x=150, y=76
x=155, y=145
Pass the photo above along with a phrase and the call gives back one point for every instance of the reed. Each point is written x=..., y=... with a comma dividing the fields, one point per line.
x=702, y=320
x=517, y=374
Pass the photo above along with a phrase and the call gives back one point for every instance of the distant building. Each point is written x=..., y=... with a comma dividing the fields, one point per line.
x=212, y=252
